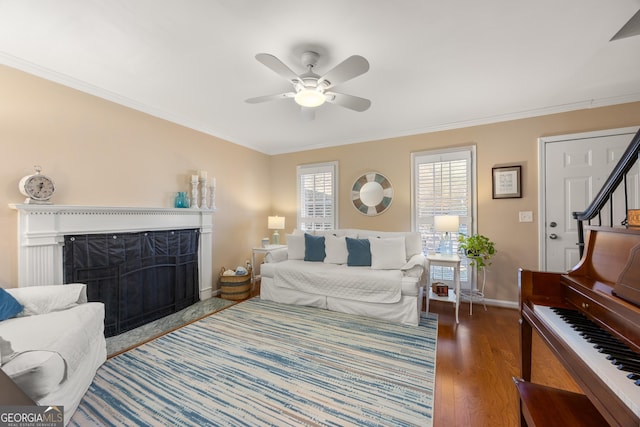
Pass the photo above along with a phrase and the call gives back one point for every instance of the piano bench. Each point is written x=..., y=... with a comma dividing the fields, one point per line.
x=545, y=406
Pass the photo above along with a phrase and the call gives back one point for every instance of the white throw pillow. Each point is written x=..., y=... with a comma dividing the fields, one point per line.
x=295, y=246
x=413, y=244
x=335, y=249
x=387, y=254
x=45, y=299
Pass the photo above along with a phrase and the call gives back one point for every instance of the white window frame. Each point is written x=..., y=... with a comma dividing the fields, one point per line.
x=313, y=168
x=429, y=245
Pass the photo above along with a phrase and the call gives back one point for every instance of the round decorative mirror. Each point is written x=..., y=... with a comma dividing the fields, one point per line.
x=372, y=194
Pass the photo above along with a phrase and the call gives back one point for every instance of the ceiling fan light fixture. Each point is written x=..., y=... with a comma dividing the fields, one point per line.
x=310, y=98
x=311, y=90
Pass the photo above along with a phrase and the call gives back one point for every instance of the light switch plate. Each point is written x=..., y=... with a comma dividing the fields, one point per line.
x=526, y=216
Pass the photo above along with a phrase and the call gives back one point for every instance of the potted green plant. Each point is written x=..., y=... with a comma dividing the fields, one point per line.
x=478, y=248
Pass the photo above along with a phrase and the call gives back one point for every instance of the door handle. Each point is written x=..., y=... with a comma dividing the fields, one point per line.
x=553, y=236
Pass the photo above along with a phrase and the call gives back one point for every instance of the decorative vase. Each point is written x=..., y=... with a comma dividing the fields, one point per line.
x=182, y=200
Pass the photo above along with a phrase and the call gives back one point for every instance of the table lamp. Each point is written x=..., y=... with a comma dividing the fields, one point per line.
x=275, y=223
x=446, y=224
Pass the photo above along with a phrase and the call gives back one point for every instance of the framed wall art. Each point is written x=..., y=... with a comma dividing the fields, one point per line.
x=372, y=194
x=506, y=182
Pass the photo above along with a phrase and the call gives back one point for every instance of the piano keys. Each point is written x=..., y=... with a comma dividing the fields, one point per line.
x=609, y=263
x=616, y=379
x=615, y=351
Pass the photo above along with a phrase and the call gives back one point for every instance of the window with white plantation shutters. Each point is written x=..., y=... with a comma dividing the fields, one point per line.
x=317, y=196
x=443, y=184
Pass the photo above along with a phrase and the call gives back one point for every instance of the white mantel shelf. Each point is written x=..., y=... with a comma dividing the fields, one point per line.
x=41, y=231
x=52, y=208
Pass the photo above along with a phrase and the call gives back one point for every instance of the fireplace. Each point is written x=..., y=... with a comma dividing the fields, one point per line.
x=42, y=230
x=140, y=277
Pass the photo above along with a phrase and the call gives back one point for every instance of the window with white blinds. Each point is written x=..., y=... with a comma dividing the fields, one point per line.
x=317, y=196
x=443, y=184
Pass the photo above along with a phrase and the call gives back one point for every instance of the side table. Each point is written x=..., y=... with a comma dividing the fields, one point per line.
x=264, y=251
x=454, y=294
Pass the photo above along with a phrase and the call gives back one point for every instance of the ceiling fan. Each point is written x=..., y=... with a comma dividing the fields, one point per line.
x=311, y=90
x=630, y=29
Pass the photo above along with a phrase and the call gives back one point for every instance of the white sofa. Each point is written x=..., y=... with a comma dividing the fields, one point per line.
x=388, y=288
x=53, y=347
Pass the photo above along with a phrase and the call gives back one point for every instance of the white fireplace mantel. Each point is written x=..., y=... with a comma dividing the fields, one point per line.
x=41, y=231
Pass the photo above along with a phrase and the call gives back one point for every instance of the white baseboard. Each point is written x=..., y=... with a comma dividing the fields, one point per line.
x=498, y=303
x=208, y=293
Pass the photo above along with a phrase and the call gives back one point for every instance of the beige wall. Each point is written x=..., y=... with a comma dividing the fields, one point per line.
x=101, y=153
x=500, y=144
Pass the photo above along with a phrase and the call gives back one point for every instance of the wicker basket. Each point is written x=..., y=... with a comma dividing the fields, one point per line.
x=235, y=288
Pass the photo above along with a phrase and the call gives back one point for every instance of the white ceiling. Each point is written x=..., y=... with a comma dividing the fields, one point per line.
x=433, y=64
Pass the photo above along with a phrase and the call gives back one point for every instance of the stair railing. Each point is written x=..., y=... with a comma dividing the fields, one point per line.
x=618, y=176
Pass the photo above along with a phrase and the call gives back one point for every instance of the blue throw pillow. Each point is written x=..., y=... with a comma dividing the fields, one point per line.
x=314, y=248
x=359, y=252
x=9, y=306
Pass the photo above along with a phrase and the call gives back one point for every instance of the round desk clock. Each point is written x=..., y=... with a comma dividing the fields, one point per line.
x=37, y=187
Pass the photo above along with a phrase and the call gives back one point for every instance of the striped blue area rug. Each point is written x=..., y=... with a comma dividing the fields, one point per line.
x=261, y=363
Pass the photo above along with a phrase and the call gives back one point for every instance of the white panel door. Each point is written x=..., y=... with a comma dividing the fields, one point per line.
x=576, y=169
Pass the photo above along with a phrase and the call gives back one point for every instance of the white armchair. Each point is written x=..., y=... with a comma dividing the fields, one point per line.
x=52, y=348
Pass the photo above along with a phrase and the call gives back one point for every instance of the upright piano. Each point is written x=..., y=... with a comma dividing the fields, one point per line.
x=590, y=319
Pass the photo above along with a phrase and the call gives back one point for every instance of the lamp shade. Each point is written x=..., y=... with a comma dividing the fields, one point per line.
x=446, y=223
x=275, y=223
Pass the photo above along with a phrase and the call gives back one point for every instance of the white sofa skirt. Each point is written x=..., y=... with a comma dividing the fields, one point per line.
x=406, y=310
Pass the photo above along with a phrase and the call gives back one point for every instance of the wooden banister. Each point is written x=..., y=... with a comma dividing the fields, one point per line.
x=617, y=176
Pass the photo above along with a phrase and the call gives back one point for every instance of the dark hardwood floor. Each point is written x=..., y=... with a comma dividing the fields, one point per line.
x=476, y=361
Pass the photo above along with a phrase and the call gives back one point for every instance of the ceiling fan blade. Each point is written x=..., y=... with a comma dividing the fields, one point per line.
x=308, y=114
x=266, y=98
x=348, y=101
x=631, y=28
x=351, y=67
x=278, y=67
